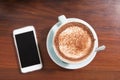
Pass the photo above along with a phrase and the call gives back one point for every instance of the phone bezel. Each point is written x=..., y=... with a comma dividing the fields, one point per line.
x=32, y=67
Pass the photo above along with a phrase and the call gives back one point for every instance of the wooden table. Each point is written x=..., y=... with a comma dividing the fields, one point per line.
x=103, y=15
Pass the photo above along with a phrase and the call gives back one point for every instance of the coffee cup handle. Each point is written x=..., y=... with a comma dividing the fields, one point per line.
x=62, y=19
x=101, y=48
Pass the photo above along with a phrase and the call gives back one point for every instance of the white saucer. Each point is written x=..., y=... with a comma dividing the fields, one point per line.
x=54, y=57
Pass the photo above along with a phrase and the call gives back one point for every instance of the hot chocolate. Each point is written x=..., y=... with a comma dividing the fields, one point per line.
x=73, y=42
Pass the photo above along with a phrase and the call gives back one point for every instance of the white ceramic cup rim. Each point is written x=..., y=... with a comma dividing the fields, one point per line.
x=63, y=20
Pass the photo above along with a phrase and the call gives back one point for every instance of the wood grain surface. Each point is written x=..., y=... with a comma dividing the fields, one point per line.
x=103, y=15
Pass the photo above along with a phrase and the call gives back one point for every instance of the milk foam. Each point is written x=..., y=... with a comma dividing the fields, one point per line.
x=74, y=42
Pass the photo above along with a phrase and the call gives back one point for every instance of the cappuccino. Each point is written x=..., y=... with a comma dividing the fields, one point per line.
x=73, y=42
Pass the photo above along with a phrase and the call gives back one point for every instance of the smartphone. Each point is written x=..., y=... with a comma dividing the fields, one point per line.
x=27, y=49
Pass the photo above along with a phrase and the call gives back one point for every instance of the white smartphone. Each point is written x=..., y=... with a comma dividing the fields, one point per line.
x=27, y=49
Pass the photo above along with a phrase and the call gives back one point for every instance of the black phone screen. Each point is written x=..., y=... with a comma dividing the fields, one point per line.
x=27, y=49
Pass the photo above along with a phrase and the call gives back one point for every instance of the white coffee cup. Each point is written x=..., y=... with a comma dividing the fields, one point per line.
x=62, y=21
